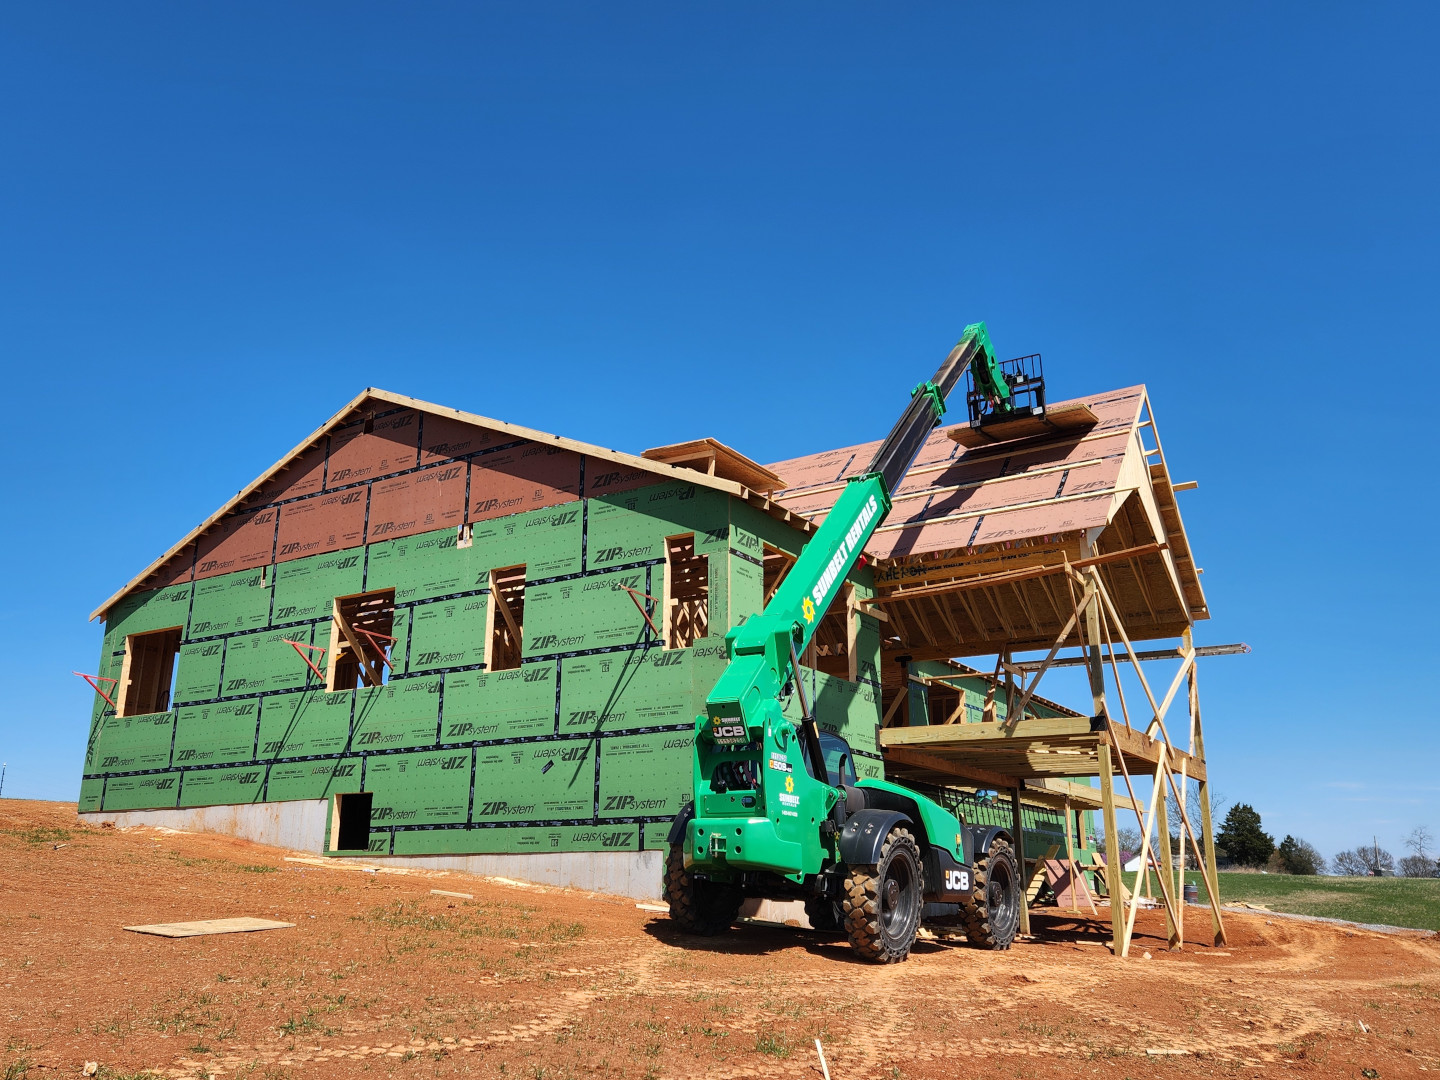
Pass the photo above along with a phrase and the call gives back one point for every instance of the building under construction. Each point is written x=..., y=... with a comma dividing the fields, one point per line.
x=428, y=634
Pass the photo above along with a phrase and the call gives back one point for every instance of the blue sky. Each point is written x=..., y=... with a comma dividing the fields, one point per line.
x=634, y=224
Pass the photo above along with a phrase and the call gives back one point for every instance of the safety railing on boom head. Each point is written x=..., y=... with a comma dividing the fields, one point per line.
x=1025, y=375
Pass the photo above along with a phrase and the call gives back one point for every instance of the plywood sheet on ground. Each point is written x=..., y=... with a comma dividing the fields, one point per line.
x=210, y=926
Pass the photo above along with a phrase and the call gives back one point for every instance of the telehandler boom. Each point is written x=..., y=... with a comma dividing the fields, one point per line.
x=778, y=811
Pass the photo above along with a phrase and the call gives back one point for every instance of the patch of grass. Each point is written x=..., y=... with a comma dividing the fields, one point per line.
x=297, y=1024
x=1410, y=902
x=18, y=1069
x=774, y=1043
x=255, y=869
x=44, y=834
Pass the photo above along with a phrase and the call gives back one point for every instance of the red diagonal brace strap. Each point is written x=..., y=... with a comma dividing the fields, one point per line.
x=299, y=645
x=635, y=595
x=92, y=680
x=378, y=639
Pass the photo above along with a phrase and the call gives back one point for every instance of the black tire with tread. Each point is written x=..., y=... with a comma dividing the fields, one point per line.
x=698, y=907
x=880, y=928
x=989, y=924
x=825, y=914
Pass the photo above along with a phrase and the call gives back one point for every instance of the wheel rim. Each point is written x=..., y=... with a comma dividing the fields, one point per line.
x=1000, y=895
x=897, y=902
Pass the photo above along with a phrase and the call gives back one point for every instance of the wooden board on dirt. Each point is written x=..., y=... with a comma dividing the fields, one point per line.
x=210, y=926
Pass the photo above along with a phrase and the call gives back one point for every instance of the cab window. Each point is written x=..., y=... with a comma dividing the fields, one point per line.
x=839, y=761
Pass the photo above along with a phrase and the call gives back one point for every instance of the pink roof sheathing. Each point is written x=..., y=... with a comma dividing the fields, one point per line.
x=954, y=497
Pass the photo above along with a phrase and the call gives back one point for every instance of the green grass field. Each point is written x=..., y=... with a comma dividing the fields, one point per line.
x=1412, y=902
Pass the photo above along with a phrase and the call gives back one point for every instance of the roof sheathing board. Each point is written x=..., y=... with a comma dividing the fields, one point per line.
x=953, y=497
x=303, y=458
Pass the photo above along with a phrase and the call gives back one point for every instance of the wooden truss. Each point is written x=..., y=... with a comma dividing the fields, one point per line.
x=1034, y=757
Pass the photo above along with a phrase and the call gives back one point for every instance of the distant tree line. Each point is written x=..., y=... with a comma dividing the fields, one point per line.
x=1241, y=841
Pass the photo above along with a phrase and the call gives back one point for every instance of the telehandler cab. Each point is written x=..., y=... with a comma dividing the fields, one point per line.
x=778, y=812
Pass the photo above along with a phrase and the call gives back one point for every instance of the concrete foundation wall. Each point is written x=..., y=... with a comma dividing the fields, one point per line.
x=300, y=826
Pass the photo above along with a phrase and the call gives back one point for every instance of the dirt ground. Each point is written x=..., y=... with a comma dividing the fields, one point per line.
x=382, y=977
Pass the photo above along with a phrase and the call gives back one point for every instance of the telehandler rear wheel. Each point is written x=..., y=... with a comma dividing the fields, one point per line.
x=882, y=902
x=825, y=914
x=698, y=907
x=992, y=914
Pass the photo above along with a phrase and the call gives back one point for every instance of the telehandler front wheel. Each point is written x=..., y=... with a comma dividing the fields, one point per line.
x=992, y=914
x=698, y=907
x=882, y=902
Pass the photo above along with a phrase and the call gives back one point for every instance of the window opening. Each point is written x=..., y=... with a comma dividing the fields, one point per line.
x=687, y=593
x=777, y=564
x=147, y=676
x=361, y=628
x=506, y=618
x=832, y=647
x=350, y=821
x=464, y=535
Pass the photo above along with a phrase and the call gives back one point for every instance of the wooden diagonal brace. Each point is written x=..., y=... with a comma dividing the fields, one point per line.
x=359, y=650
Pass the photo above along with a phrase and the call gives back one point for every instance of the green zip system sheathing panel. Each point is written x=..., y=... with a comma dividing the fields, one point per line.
x=216, y=734
x=488, y=705
x=308, y=724
x=584, y=747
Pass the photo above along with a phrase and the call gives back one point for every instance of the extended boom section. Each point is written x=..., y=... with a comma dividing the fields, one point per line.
x=778, y=810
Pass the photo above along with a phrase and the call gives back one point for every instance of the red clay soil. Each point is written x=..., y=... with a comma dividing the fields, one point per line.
x=380, y=976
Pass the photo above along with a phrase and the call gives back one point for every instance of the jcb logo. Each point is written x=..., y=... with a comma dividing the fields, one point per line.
x=535, y=674
x=617, y=839
x=459, y=761
x=957, y=881
x=459, y=731
x=609, y=554
x=545, y=641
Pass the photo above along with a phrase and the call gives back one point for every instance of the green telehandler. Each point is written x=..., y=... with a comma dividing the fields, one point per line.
x=778, y=812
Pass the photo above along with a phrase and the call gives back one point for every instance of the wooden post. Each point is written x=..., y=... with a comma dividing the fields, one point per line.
x=1112, y=849
x=1019, y=829
x=1070, y=860
x=1096, y=672
x=1207, y=826
x=1167, y=866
